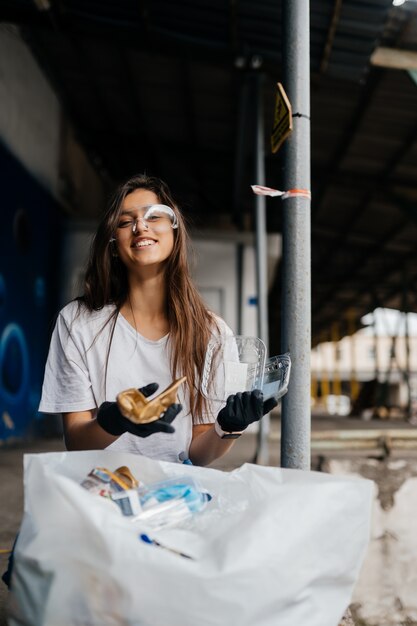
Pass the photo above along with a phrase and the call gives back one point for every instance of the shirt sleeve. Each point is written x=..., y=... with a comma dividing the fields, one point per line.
x=67, y=385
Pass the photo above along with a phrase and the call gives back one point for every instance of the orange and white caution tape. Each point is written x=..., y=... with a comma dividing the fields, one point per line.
x=259, y=190
x=266, y=191
x=300, y=193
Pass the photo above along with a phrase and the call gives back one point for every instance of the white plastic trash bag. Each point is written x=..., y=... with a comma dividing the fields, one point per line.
x=273, y=548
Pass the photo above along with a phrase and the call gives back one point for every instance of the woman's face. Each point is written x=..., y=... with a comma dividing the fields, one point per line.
x=142, y=243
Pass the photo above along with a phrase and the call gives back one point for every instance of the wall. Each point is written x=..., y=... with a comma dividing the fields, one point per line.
x=216, y=272
x=386, y=591
x=29, y=111
x=35, y=129
x=215, y=276
x=44, y=174
x=29, y=240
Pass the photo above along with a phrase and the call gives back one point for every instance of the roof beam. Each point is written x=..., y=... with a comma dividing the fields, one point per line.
x=82, y=131
x=337, y=8
x=53, y=18
x=133, y=89
x=380, y=182
x=372, y=291
x=347, y=136
x=367, y=254
x=194, y=156
x=242, y=127
x=234, y=35
x=352, y=179
x=409, y=208
x=363, y=103
x=376, y=280
x=394, y=58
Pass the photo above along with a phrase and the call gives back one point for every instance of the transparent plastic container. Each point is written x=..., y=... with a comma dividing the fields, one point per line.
x=276, y=376
x=235, y=363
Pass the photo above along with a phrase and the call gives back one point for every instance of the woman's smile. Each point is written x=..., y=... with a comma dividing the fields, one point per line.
x=143, y=242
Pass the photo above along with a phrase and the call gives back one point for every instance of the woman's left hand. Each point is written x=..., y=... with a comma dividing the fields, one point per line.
x=243, y=409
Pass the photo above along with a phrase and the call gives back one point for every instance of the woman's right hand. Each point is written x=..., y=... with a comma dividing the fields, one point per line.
x=113, y=422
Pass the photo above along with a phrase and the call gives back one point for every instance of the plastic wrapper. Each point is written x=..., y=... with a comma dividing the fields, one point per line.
x=168, y=503
x=119, y=486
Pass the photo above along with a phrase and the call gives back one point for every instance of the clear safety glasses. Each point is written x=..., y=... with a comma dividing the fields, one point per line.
x=156, y=217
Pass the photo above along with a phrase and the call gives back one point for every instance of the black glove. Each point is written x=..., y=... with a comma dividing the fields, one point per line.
x=113, y=422
x=244, y=408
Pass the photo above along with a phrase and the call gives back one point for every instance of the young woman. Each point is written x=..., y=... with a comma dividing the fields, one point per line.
x=140, y=320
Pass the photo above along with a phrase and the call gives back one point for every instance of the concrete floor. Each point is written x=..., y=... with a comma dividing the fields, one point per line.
x=11, y=468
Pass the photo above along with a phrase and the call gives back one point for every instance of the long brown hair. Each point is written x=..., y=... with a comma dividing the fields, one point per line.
x=106, y=282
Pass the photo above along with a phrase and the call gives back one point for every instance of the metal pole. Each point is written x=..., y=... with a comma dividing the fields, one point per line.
x=241, y=148
x=296, y=306
x=243, y=123
x=407, y=377
x=239, y=277
x=354, y=385
x=376, y=348
x=262, y=452
x=407, y=363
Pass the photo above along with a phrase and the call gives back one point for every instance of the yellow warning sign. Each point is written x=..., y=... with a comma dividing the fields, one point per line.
x=282, y=119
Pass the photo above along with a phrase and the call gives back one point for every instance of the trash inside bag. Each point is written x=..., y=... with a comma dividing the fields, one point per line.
x=166, y=503
x=162, y=504
x=272, y=547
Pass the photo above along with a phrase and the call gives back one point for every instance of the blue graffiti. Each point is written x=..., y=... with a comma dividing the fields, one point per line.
x=14, y=365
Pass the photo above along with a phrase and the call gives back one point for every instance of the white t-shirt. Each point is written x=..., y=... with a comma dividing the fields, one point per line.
x=75, y=375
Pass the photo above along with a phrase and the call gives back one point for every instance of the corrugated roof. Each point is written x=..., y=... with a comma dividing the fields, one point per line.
x=166, y=87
